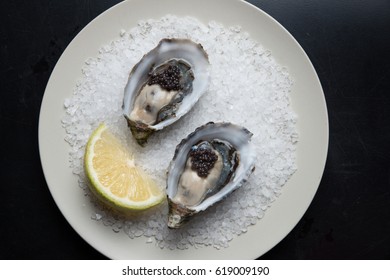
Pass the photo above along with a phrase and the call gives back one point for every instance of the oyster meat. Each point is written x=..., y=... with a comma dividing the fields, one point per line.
x=164, y=86
x=208, y=165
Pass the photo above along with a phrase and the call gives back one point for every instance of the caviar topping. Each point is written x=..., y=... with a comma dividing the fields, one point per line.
x=202, y=161
x=168, y=79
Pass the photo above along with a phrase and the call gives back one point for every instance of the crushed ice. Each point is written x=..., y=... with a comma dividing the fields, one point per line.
x=248, y=87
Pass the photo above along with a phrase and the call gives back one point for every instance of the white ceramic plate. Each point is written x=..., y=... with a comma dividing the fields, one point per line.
x=307, y=100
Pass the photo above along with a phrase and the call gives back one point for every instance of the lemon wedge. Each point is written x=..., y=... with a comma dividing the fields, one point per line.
x=114, y=177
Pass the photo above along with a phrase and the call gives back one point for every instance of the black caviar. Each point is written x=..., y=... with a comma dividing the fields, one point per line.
x=203, y=161
x=168, y=78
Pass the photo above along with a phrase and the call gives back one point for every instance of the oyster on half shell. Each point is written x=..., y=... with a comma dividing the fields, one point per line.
x=164, y=85
x=208, y=165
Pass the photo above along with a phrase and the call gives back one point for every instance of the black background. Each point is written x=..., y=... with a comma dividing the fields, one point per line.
x=348, y=43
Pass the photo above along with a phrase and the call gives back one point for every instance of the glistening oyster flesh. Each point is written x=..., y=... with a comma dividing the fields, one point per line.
x=208, y=165
x=164, y=86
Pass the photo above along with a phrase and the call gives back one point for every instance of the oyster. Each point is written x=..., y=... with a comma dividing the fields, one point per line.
x=164, y=86
x=208, y=165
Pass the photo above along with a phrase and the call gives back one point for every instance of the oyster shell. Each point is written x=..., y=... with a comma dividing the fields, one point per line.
x=208, y=165
x=164, y=86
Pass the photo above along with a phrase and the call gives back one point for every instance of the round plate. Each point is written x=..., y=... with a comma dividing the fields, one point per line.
x=307, y=101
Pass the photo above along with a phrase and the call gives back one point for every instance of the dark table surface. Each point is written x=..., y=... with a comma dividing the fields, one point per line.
x=348, y=43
